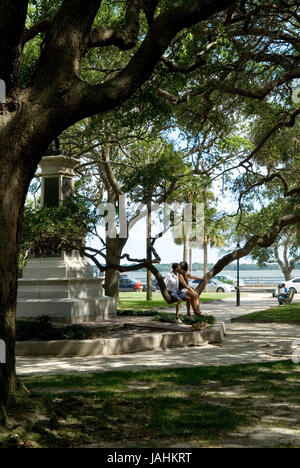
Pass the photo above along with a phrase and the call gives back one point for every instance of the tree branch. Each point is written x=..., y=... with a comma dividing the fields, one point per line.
x=124, y=39
x=65, y=44
x=36, y=29
x=254, y=241
x=163, y=29
x=105, y=156
x=228, y=87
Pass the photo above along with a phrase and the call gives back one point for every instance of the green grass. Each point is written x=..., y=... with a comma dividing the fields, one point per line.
x=285, y=313
x=158, y=408
x=133, y=300
x=165, y=316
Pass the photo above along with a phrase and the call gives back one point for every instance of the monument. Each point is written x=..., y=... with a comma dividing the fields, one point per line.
x=61, y=285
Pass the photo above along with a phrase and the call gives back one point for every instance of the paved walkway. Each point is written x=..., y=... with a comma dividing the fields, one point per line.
x=244, y=343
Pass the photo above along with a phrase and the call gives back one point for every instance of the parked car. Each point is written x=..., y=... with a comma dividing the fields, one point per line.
x=154, y=284
x=224, y=279
x=215, y=286
x=292, y=284
x=126, y=284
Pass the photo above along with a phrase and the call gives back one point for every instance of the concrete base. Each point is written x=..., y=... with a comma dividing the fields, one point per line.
x=64, y=289
x=67, y=310
x=111, y=346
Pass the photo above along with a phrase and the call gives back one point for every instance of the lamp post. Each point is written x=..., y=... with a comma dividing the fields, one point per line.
x=238, y=294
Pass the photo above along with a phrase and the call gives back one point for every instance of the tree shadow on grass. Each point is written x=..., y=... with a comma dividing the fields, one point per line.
x=203, y=403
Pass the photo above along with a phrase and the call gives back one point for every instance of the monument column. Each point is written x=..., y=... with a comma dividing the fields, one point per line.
x=57, y=177
x=61, y=284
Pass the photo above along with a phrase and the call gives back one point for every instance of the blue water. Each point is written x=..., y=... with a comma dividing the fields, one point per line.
x=249, y=276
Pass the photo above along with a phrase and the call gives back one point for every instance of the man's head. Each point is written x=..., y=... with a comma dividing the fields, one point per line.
x=175, y=268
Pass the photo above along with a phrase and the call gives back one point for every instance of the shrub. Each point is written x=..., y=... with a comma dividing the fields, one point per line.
x=170, y=318
x=136, y=313
x=166, y=317
x=210, y=319
x=43, y=330
x=50, y=230
x=37, y=330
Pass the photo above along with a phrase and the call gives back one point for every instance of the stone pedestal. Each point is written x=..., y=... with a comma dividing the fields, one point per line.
x=61, y=287
x=64, y=289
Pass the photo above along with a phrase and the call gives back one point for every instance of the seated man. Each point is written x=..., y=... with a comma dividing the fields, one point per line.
x=172, y=285
x=283, y=293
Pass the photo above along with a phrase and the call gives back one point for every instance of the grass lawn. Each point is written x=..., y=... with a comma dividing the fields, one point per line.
x=134, y=300
x=203, y=406
x=285, y=313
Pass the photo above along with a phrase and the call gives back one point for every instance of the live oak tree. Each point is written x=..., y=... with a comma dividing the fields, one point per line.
x=128, y=170
x=268, y=189
x=285, y=252
x=227, y=46
x=285, y=249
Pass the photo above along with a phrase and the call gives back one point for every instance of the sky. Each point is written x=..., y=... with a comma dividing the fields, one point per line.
x=165, y=247
x=168, y=251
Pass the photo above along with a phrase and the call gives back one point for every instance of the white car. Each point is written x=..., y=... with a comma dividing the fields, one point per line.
x=215, y=286
x=224, y=278
x=294, y=283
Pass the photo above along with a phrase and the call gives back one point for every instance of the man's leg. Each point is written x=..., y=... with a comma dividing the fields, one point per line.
x=178, y=308
x=284, y=298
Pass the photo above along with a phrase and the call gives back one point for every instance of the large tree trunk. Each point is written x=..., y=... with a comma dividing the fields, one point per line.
x=285, y=265
x=287, y=271
x=12, y=196
x=114, y=249
x=24, y=137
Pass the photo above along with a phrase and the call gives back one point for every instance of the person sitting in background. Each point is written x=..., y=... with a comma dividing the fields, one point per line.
x=138, y=286
x=172, y=285
x=282, y=293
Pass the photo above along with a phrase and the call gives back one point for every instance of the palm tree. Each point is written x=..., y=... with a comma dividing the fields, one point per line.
x=215, y=230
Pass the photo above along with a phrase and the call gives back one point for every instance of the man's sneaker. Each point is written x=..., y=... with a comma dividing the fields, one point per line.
x=178, y=320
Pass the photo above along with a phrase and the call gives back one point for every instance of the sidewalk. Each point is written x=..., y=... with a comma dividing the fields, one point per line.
x=227, y=309
x=244, y=343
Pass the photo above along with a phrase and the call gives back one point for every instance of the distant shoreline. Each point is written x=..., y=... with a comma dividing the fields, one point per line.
x=250, y=277
x=166, y=267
